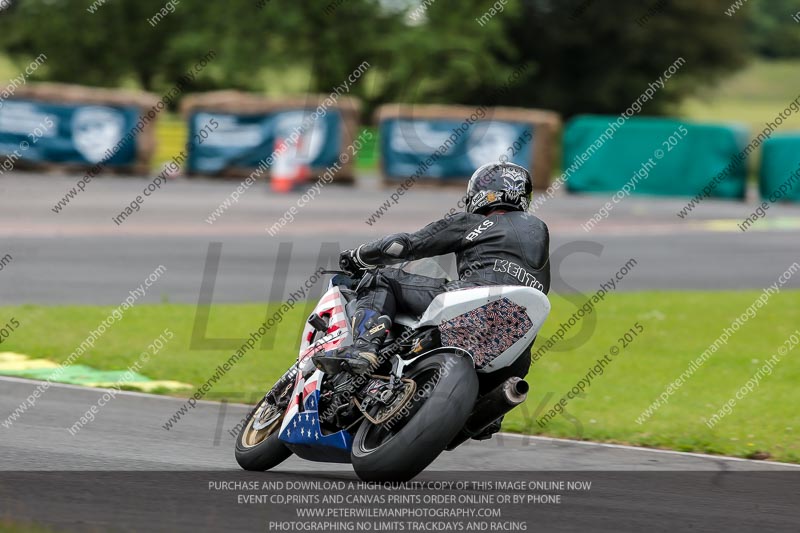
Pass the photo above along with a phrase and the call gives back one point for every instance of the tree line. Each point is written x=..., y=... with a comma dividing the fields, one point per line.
x=584, y=55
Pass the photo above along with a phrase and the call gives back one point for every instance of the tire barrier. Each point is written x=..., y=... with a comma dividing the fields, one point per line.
x=66, y=128
x=665, y=157
x=236, y=134
x=445, y=144
x=779, y=177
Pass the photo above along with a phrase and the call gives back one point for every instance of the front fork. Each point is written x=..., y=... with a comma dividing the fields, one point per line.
x=282, y=386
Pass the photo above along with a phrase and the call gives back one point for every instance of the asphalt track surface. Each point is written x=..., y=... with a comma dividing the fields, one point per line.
x=128, y=434
x=81, y=256
x=125, y=472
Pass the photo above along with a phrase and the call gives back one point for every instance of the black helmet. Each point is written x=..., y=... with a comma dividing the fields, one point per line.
x=499, y=185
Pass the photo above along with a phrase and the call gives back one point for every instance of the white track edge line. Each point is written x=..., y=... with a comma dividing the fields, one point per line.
x=643, y=449
x=119, y=392
x=502, y=433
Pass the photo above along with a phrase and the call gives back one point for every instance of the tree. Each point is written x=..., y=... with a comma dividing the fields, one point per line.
x=105, y=48
x=577, y=55
x=773, y=31
x=596, y=56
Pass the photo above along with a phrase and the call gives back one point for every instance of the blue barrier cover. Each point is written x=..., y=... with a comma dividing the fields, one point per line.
x=68, y=133
x=449, y=149
x=219, y=141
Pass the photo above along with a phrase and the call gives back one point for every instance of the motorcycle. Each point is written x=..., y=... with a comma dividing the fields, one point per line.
x=422, y=398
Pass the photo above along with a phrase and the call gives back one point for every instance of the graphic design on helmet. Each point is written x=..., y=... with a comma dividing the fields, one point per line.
x=514, y=183
x=498, y=186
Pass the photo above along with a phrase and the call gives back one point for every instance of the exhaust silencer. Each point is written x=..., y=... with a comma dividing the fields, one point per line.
x=492, y=406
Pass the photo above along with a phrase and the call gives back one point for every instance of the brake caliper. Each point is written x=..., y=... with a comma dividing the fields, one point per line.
x=386, y=397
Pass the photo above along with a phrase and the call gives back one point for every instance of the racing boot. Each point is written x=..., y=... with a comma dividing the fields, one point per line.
x=361, y=357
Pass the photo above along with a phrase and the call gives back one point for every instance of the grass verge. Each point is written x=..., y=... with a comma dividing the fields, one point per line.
x=678, y=327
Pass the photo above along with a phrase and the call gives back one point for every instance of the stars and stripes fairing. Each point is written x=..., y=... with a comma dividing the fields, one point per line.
x=330, y=307
x=301, y=426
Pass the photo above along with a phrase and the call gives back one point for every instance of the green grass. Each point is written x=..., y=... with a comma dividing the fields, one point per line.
x=750, y=97
x=367, y=157
x=171, y=136
x=8, y=70
x=678, y=327
x=54, y=332
x=9, y=525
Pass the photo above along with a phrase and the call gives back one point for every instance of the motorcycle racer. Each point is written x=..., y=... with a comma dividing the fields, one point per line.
x=496, y=242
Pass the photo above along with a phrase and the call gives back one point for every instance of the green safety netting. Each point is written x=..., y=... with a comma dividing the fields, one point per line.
x=780, y=165
x=673, y=157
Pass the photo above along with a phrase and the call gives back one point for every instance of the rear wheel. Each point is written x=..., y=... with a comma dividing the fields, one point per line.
x=398, y=450
x=257, y=446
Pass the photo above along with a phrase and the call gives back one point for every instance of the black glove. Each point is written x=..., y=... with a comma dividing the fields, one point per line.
x=348, y=263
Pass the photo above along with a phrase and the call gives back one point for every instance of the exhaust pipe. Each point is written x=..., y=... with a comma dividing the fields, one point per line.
x=492, y=406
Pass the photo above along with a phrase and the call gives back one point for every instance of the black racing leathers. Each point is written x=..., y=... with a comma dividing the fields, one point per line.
x=507, y=249
x=510, y=248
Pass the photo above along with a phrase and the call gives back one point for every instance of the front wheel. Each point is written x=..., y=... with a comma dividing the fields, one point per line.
x=257, y=446
x=398, y=450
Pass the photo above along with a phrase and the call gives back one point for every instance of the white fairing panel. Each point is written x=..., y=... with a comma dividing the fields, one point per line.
x=454, y=303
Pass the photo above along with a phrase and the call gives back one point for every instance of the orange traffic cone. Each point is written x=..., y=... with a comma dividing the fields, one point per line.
x=283, y=173
x=303, y=174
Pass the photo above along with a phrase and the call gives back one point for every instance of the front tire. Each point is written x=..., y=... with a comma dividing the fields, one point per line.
x=260, y=449
x=403, y=450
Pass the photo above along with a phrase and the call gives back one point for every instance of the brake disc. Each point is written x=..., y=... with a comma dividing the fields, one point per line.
x=395, y=406
x=266, y=416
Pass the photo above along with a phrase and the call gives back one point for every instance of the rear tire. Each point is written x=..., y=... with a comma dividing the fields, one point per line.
x=260, y=450
x=407, y=447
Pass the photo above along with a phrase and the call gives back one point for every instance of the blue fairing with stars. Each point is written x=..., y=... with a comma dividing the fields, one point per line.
x=303, y=428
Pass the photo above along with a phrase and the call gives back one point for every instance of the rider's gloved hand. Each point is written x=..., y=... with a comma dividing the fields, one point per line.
x=347, y=261
x=350, y=261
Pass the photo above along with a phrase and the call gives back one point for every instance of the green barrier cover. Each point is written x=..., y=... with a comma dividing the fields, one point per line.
x=779, y=178
x=669, y=157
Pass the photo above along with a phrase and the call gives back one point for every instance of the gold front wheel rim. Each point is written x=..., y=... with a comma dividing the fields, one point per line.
x=253, y=437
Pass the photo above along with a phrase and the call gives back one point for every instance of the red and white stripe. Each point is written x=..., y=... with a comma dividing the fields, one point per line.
x=331, y=303
x=302, y=389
